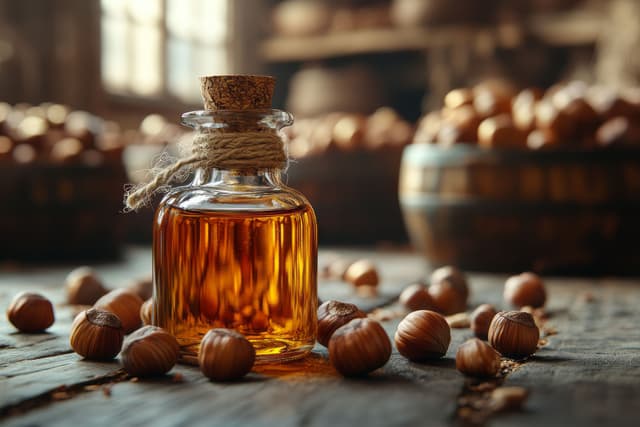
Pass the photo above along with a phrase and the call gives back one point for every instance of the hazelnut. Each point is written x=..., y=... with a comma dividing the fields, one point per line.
x=453, y=276
x=477, y=359
x=500, y=132
x=83, y=287
x=423, y=335
x=362, y=272
x=481, y=319
x=30, y=312
x=225, y=355
x=149, y=351
x=514, y=334
x=96, y=334
x=146, y=312
x=446, y=299
x=359, y=347
x=416, y=297
x=336, y=268
x=142, y=287
x=332, y=315
x=367, y=291
x=525, y=289
x=124, y=304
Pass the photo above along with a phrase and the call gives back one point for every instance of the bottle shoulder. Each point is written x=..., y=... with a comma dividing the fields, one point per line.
x=219, y=198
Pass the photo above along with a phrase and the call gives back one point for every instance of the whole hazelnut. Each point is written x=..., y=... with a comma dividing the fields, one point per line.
x=149, y=351
x=423, y=335
x=142, y=287
x=514, y=334
x=124, y=304
x=96, y=334
x=30, y=312
x=477, y=359
x=332, y=315
x=225, y=355
x=362, y=272
x=416, y=297
x=447, y=299
x=146, y=312
x=453, y=277
x=83, y=286
x=481, y=319
x=359, y=347
x=525, y=289
x=336, y=268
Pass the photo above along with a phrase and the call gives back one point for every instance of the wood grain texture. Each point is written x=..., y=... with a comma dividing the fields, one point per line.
x=587, y=375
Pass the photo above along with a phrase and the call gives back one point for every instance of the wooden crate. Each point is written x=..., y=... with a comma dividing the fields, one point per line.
x=53, y=212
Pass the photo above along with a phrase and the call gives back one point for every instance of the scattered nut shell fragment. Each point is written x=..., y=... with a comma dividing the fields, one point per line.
x=459, y=320
x=508, y=398
x=149, y=351
x=30, y=312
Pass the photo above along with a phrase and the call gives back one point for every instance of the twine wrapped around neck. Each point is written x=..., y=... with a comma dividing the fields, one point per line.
x=239, y=150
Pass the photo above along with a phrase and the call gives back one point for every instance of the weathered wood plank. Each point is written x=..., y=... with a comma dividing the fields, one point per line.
x=588, y=374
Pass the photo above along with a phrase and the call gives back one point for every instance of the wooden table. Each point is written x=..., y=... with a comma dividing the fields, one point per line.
x=588, y=374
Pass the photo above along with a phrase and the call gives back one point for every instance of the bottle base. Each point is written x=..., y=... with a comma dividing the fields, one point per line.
x=270, y=352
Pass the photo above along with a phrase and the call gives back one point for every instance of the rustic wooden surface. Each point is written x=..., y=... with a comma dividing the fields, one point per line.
x=588, y=374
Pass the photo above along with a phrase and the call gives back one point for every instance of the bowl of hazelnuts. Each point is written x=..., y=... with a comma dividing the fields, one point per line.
x=502, y=180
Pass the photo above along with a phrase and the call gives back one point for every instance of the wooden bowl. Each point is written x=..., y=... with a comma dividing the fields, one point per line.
x=553, y=211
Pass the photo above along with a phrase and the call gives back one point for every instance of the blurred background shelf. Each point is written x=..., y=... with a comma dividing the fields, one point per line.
x=365, y=41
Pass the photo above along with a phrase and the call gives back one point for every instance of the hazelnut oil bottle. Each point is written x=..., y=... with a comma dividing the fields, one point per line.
x=236, y=248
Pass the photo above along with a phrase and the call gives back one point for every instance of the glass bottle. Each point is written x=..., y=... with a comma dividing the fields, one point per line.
x=237, y=248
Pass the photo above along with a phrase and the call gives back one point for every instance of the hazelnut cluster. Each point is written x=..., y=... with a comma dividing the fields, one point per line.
x=52, y=133
x=347, y=132
x=362, y=274
x=447, y=294
x=493, y=114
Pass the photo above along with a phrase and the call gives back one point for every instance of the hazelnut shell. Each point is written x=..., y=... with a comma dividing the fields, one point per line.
x=514, y=334
x=149, y=351
x=416, y=297
x=96, y=334
x=423, y=335
x=332, y=315
x=83, y=287
x=481, y=319
x=476, y=358
x=526, y=289
x=359, y=347
x=225, y=355
x=126, y=305
x=30, y=312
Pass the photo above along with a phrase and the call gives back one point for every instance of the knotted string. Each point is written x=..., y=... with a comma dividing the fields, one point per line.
x=242, y=150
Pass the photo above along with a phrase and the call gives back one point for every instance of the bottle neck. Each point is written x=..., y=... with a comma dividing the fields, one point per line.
x=236, y=177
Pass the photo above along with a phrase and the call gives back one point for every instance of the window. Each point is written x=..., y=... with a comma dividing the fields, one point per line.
x=155, y=48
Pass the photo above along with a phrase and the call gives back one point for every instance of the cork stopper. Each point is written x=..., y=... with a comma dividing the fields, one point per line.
x=237, y=92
